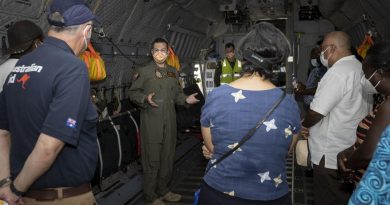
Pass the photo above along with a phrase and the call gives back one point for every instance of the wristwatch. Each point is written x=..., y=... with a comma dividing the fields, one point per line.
x=15, y=191
x=5, y=181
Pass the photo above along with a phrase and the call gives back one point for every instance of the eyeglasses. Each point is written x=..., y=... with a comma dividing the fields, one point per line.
x=156, y=50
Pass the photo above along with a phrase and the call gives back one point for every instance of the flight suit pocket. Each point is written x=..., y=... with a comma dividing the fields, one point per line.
x=154, y=152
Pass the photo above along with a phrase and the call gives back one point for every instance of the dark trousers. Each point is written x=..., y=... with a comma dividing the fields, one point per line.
x=327, y=186
x=210, y=196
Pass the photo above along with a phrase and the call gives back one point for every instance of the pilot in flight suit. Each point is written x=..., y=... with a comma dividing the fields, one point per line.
x=158, y=82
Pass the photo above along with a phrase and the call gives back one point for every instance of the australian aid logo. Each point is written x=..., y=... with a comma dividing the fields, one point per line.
x=24, y=75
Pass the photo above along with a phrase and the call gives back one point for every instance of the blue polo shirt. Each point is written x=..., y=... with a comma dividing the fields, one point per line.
x=48, y=92
x=257, y=170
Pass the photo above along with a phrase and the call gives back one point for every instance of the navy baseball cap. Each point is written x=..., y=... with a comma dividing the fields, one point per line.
x=74, y=12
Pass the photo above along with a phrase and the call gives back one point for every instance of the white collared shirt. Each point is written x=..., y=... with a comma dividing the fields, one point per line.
x=5, y=69
x=339, y=98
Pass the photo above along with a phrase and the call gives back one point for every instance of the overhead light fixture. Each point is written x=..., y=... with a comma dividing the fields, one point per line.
x=311, y=12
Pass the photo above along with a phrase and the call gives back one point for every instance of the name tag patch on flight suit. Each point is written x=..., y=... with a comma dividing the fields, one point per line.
x=171, y=74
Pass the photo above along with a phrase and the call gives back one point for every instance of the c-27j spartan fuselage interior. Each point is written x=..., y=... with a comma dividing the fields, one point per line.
x=197, y=31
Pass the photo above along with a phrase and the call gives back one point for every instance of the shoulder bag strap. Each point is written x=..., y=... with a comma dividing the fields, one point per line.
x=250, y=133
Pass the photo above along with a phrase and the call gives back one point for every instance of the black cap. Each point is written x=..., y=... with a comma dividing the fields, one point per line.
x=267, y=42
x=21, y=36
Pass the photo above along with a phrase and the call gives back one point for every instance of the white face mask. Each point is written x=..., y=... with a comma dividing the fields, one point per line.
x=368, y=88
x=314, y=62
x=322, y=58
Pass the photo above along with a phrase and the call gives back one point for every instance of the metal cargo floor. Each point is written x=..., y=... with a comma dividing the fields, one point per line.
x=189, y=171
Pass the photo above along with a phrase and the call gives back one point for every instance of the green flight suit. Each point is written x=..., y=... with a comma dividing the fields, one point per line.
x=158, y=125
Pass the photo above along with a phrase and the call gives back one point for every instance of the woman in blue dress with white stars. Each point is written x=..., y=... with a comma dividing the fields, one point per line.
x=256, y=172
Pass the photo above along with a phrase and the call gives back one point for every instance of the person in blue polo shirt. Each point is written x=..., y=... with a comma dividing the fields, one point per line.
x=47, y=120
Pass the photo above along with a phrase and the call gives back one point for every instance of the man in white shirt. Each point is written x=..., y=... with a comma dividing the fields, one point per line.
x=337, y=108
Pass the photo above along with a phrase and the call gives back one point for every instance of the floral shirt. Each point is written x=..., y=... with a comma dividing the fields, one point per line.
x=374, y=187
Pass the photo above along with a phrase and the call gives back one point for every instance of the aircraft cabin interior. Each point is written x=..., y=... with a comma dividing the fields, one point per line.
x=197, y=32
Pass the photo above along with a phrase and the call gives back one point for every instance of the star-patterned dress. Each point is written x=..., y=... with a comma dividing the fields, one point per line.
x=257, y=170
